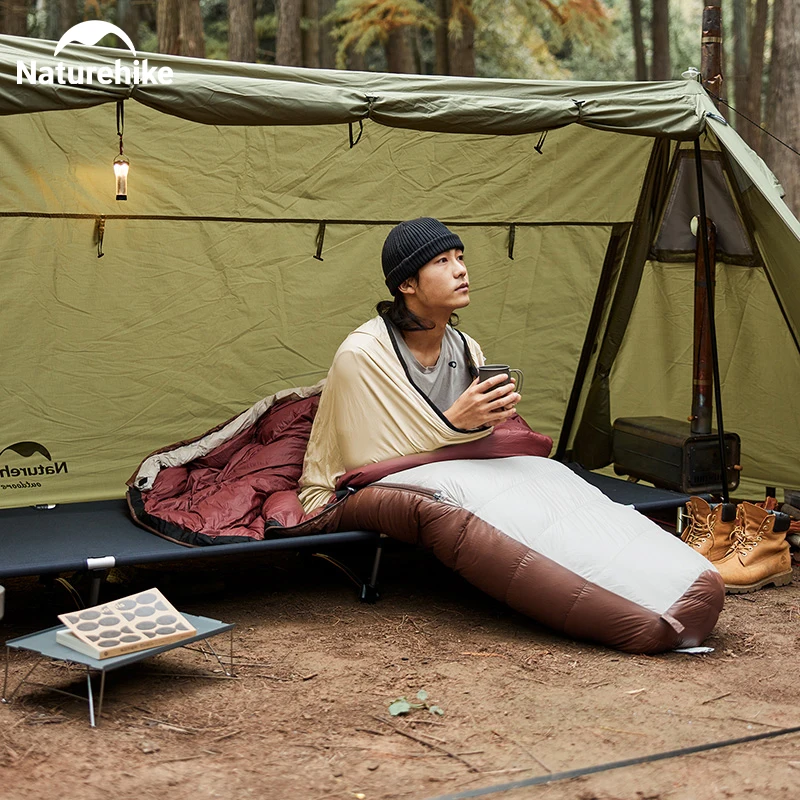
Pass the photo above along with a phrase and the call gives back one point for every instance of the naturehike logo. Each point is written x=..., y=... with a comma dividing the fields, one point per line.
x=89, y=33
x=9, y=474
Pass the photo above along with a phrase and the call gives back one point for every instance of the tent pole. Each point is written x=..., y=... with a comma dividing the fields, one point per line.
x=589, y=341
x=712, y=327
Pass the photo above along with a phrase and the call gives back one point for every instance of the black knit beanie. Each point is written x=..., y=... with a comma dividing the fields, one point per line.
x=411, y=245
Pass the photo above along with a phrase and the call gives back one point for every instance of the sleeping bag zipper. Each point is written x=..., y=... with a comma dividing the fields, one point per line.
x=437, y=496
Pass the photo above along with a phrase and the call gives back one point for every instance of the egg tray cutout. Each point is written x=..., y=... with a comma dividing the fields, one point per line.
x=139, y=621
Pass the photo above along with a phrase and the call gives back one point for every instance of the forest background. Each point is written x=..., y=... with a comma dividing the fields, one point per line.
x=532, y=39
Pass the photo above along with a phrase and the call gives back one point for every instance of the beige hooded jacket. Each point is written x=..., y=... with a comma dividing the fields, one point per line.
x=371, y=412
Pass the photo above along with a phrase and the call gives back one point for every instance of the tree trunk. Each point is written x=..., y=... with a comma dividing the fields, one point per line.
x=638, y=40
x=241, y=30
x=662, y=67
x=440, y=38
x=752, y=105
x=356, y=61
x=289, y=45
x=327, y=46
x=783, y=99
x=461, y=51
x=193, y=41
x=14, y=17
x=399, y=54
x=310, y=35
x=168, y=27
x=740, y=59
x=127, y=18
x=53, y=27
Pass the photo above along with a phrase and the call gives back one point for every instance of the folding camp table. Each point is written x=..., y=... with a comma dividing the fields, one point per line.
x=45, y=644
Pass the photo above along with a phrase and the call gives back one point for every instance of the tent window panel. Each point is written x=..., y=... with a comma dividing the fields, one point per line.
x=675, y=241
x=652, y=375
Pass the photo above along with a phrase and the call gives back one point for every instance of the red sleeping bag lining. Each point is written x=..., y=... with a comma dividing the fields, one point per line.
x=246, y=488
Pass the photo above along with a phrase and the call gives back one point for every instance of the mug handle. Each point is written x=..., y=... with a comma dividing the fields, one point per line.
x=518, y=387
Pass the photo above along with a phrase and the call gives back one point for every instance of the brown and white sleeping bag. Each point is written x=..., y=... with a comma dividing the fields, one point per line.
x=529, y=531
x=490, y=505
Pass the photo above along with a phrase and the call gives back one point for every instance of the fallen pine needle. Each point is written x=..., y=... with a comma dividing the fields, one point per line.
x=427, y=744
x=485, y=655
x=172, y=760
x=500, y=771
x=227, y=736
x=718, y=697
x=620, y=730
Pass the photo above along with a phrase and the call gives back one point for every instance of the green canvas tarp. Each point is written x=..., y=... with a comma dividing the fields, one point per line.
x=249, y=248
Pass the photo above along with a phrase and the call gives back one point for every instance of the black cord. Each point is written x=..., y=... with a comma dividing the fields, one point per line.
x=744, y=116
x=120, y=122
x=712, y=327
x=629, y=762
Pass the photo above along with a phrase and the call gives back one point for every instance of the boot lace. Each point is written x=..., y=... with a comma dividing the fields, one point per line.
x=742, y=543
x=699, y=530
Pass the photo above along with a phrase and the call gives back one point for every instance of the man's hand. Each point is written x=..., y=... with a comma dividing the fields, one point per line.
x=484, y=404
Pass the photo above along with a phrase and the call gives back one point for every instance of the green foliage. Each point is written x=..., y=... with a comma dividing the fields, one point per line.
x=402, y=706
x=531, y=38
x=358, y=24
x=616, y=63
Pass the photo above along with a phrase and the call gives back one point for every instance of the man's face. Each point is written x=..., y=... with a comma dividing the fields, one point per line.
x=442, y=284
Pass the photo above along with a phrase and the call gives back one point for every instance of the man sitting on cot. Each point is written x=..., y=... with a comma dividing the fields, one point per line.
x=406, y=381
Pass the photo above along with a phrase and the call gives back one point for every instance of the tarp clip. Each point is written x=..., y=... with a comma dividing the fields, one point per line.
x=512, y=235
x=320, y=241
x=99, y=233
x=354, y=142
x=717, y=117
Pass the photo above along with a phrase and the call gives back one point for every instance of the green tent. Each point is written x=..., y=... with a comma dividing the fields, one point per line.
x=248, y=248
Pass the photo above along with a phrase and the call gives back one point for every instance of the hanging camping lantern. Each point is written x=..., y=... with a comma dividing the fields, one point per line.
x=121, y=165
x=121, y=162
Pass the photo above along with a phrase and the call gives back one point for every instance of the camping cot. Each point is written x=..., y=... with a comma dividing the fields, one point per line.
x=247, y=249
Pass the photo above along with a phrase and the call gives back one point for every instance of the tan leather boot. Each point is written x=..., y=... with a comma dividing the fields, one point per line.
x=760, y=554
x=707, y=532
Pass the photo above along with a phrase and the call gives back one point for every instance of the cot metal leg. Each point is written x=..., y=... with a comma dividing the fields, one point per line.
x=369, y=591
x=97, y=575
x=680, y=522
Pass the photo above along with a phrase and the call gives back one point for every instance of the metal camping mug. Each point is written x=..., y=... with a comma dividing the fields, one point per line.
x=490, y=370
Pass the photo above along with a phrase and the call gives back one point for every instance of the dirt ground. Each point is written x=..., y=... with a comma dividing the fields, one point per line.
x=306, y=715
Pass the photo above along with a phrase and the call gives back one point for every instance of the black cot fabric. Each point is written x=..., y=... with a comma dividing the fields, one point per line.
x=46, y=541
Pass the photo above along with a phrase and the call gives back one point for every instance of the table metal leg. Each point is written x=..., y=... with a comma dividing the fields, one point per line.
x=91, y=697
x=27, y=675
x=5, y=677
x=102, y=692
x=210, y=646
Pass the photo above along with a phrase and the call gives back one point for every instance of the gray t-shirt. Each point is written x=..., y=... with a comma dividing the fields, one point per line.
x=445, y=381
